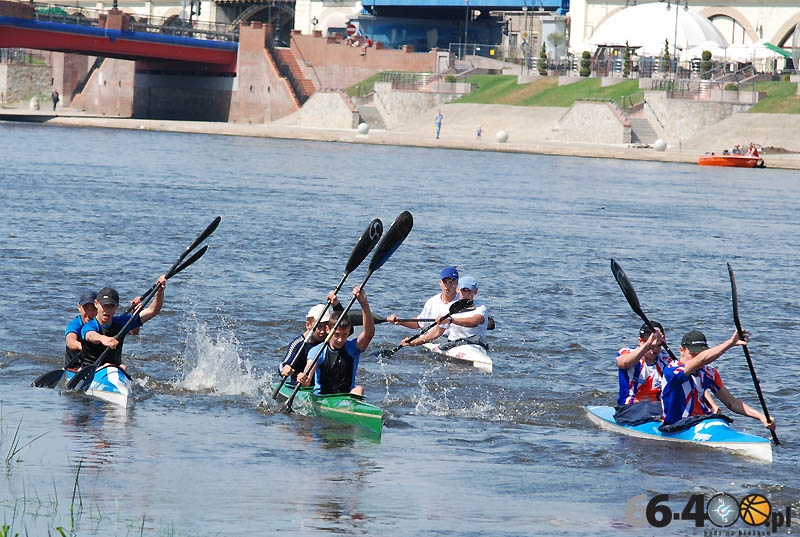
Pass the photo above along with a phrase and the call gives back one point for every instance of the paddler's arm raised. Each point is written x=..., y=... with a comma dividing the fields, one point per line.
x=155, y=308
x=629, y=358
x=368, y=332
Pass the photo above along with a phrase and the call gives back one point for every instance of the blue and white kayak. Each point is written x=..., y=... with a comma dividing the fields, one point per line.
x=715, y=433
x=473, y=355
x=110, y=384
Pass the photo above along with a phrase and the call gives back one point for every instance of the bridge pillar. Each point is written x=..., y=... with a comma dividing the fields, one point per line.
x=261, y=94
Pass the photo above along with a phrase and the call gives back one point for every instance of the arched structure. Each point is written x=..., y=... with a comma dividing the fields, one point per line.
x=647, y=27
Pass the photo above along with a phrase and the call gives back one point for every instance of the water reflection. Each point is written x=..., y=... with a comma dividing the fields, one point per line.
x=98, y=429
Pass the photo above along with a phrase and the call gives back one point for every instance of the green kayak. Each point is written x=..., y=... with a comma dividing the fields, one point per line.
x=342, y=407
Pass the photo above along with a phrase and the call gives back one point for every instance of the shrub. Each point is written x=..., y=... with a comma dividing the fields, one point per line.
x=705, y=65
x=450, y=78
x=586, y=63
x=542, y=64
x=730, y=86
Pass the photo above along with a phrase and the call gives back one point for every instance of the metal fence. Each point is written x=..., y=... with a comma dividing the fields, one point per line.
x=22, y=55
x=176, y=26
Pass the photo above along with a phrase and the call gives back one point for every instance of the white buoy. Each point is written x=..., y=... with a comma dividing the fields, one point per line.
x=660, y=145
x=363, y=128
x=502, y=136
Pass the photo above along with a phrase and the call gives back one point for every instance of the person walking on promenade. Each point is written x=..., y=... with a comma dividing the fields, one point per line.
x=55, y=98
x=437, y=122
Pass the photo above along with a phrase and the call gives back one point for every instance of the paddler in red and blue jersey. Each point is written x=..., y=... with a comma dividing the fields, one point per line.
x=641, y=380
x=686, y=381
x=99, y=333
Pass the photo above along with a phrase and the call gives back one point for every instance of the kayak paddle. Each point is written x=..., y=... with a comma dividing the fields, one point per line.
x=363, y=247
x=747, y=352
x=83, y=378
x=456, y=307
x=633, y=300
x=390, y=242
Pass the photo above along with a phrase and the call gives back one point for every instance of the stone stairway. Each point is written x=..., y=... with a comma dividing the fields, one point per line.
x=370, y=115
x=289, y=68
x=641, y=131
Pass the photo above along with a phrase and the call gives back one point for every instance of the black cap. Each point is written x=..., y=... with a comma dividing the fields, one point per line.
x=108, y=296
x=645, y=331
x=694, y=342
x=87, y=297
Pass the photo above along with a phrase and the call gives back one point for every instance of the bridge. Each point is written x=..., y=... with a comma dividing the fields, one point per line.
x=114, y=34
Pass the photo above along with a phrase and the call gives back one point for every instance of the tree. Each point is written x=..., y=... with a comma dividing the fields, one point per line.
x=586, y=63
x=666, y=56
x=626, y=61
x=542, y=64
x=556, y=39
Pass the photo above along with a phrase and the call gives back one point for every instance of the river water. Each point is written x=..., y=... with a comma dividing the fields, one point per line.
x=205, y=451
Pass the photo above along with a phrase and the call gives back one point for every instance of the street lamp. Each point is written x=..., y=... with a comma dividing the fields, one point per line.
x=466, y=29
x=675, y=37
x=314, y=22
x=526, y=46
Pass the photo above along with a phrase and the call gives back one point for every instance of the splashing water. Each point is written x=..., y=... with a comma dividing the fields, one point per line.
x=214, y=364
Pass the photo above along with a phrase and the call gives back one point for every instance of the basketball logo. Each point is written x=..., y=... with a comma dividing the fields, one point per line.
x=755, y=509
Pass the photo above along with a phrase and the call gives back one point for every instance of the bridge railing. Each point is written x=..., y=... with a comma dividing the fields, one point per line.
x=84, y=16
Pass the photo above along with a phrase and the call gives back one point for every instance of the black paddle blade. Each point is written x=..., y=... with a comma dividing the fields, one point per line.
x=756, y=383
x=627, y=289
x=735, y=300
x=82, y=379
x=49, y=379
x=390, y=242
x=189, y=262
x=200, y=238
x=460, y=305
x=365, y=245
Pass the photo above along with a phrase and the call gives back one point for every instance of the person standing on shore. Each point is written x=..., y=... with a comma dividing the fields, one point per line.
x=437, y=122
x=55, y=98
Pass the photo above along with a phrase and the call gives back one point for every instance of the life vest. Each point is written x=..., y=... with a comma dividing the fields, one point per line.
x=92, y=351
x=336, y=370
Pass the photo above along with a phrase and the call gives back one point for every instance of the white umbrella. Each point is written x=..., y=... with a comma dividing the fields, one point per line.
x=649, y=26
x=717, y=51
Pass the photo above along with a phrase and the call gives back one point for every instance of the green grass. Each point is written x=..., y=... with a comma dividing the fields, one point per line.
x=782, y=98
x=503, y=89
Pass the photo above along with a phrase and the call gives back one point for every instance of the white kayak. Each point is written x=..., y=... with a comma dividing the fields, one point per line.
x=110, y=384
x=473, y=355
x=715, y=433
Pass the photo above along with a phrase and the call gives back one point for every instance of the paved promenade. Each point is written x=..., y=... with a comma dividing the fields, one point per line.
x=530, y=130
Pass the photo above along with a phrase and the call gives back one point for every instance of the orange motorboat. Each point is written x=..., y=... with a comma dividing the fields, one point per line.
x=734, y=158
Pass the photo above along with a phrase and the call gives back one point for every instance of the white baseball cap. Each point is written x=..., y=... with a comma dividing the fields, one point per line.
x=317, y=310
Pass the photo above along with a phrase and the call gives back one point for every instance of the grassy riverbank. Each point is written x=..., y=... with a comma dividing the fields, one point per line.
x=781, y=96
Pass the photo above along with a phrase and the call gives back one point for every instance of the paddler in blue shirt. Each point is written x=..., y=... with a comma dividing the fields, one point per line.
x=86, y=312
x=297, y=354
x=337, y=362
x=98, y=334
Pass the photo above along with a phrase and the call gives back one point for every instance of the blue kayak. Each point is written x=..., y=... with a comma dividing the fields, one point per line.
x=715, y=433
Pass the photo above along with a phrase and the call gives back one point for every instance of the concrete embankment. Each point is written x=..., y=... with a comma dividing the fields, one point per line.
x=529, y=129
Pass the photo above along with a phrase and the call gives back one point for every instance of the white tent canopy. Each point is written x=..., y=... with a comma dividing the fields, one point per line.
x=650, y=26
